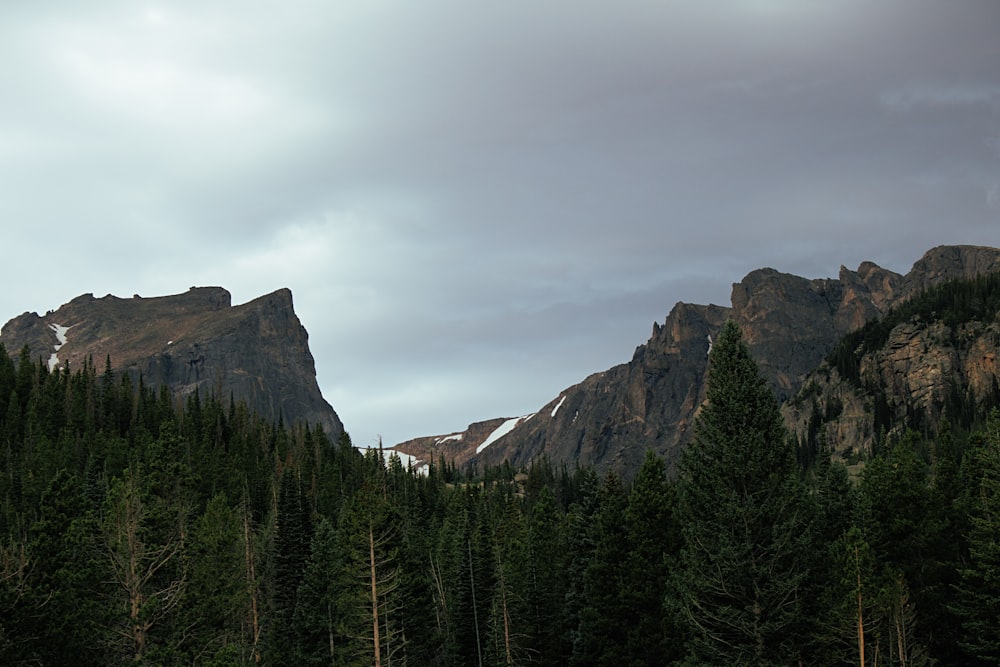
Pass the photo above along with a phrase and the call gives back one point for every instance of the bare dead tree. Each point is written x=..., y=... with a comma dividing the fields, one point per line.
x=136, y=564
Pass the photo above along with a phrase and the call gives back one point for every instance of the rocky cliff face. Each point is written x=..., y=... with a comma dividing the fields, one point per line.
x=257, y=352
x=611, y=418
x=924, y=370
x=790, y=325
x=945, y=263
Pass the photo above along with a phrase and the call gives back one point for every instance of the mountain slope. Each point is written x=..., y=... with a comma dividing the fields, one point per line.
x=790, y=324
x=257, y=352
x=934, y=356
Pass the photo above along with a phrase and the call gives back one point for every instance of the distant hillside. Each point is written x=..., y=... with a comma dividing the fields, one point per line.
x=257, y=352
x=791, y=324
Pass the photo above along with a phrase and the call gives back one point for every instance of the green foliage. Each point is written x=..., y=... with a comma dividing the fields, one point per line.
x=547, y=560
x=217, y=596
x=746, y=521
x=978, y=599
x=292, y=537
x=653, y=543
x=141, y=527
x=603, y=619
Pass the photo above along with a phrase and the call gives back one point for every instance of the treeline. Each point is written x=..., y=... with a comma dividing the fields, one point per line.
x=140, y=528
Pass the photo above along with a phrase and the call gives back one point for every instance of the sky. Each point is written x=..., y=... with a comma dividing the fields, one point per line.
x=478, y=204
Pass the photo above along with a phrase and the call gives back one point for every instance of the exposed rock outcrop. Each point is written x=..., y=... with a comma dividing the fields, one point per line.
x=790, y=325
x=924, y=370
x=611, y=418
x=257, y=352
x=945, y=263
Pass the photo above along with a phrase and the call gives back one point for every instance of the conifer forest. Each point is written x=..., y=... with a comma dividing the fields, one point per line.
x=140, y=528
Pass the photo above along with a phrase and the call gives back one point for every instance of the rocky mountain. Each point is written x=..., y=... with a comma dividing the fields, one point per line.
x=934, y=357
x=790, y=324
x=257, y=352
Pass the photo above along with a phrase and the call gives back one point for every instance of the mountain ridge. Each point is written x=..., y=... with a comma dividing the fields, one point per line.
x=790, y=324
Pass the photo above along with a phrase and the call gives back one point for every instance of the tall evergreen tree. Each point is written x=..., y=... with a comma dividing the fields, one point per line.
x=293, y=535
x=602, y=629
x=508, y=612
x=319, y=614
x=847, y=602
x=978, y=600
x=367, y=580
x=217, y=597
x=580, y=520
x=548, y=559
x=899, y=521
x=746, y=521
x=653, y=538
x=67, y=576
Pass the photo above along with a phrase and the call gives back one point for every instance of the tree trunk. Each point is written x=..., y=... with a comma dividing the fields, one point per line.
x=861, y=621
x=251, y=587
x=475, y=612
x=506, y=617
x=135, y=565
x=371, y=560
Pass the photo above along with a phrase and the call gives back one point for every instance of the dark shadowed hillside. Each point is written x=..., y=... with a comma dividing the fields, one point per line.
x=257, y=352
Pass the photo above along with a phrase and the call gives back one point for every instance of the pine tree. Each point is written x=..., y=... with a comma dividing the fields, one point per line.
x=319, y=614
x=746, y=521
x=508, y=613
x=978, y=600
x=216, y=597
x=602, y=629
x=653, y=538
x=847, y=602
x=580, y=541
x=898, y=521
x=548, y=559
x=67, y=576
x=144, y=559
x=369, y=598
x=8, y=379
x=293, y=535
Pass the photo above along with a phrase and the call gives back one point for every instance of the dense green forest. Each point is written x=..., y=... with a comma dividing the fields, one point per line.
x=140, y=528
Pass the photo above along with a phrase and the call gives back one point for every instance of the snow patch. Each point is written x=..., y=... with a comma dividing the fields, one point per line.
x=60, y=332
x=407, y=460
x=709, y=344
x=558, y=405
x=454, y=436
x=502, y=430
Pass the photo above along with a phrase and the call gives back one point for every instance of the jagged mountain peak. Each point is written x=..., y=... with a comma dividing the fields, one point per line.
x=790, y=323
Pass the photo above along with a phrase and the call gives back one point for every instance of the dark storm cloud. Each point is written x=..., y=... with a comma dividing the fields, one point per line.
x=476, y=205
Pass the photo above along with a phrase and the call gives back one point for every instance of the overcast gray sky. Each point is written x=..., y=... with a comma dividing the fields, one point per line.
x=477, y=204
